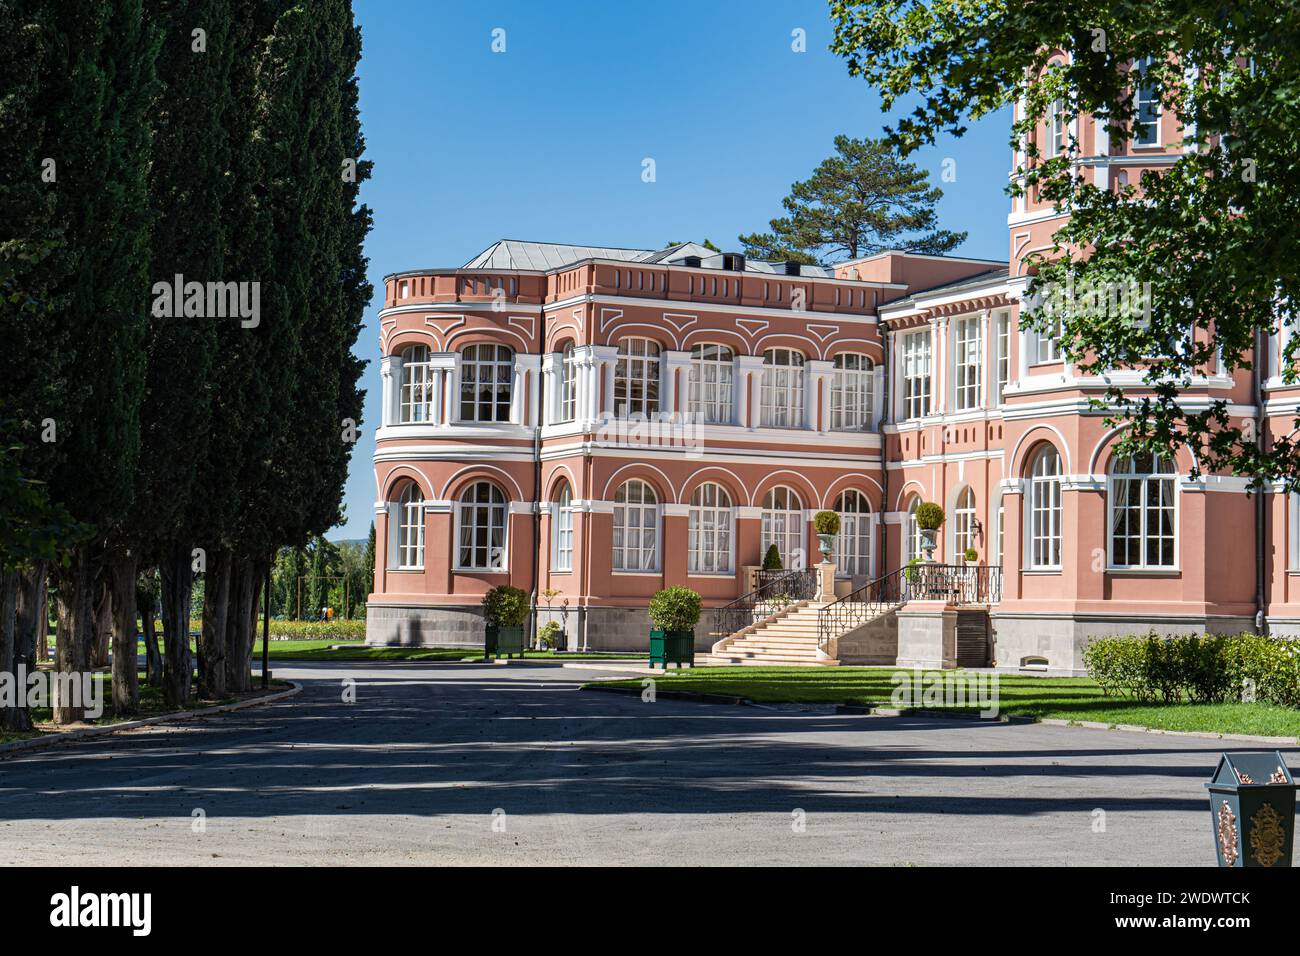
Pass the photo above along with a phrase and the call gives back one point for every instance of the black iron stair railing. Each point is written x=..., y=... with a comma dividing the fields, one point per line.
x=776, y=591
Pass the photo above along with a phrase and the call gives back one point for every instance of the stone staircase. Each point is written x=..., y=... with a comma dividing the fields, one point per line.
x=788, y=639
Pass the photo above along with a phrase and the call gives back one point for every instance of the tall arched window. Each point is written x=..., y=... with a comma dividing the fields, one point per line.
x=562, y=530
x=417, y=385
x=851, y=388
x=1141, y=491
x=783, y=526
x=481, y=531
x=1044, y=522
x=709, y=532
x=567, y=406
x=963, y=524
x=912, y=546
x=410, y=527
x=486, y=372
x=711, y=384
x=636, y=527
x=853, y=547
x=781, y=393
x=636, y=379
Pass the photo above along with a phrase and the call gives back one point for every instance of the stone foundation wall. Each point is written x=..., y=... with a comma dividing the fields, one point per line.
x=875, y=643
x=412, y=626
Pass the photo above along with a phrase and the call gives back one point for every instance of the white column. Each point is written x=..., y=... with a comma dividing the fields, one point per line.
x=527, y=369
x=439, y=384
x=390, y=375
x=938, y=365
x=817, y=393
x=550, y=387
x=749, y=368
x=987, y=371
x=602, y=397
x=449, y=401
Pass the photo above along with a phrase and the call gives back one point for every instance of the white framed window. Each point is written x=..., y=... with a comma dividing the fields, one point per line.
x=1045, y=509
x=913, y=548
x=711, y=384
x=1047, y=344
x=916, y=374
x=1146, y=106
x=481, y=528
x=636, y=527
x=851, y=388
x=1141, y=491
x=417, y=386
x=410, y=528
x=966, y=356
x=854, y=545
x=1058, y=129
x=963, y=524
x=636, y=379
x=783, y=526
x=999, y=534
x=567, y=406
x=781, y=390
x=562, y=530
x=486, y=373
x=709, y=530
x=1002, y=376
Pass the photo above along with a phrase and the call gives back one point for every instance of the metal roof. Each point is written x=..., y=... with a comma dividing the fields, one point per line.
x=540, y=256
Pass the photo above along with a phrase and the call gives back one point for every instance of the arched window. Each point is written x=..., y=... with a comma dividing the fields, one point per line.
x=636, y=379
x=486, y=372
x=567, y=406
x=912, y=547
x=563, y=529
x=783, y=525
x=417, y=385
x=851, y=388
x=481, y=531
x=1045, y=509
x=410, y=527
x=853, y=547
x=709, y=532
x=1141, y=490
x=963, y=524
x=711, y=384
x=782, y=389
x=636, y=527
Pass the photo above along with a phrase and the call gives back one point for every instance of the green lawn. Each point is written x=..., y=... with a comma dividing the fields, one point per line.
x=1064, y=698
x=321, y=651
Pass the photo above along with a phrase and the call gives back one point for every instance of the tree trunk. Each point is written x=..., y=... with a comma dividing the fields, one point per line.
x=178, y=665
x=75, y=609
x=214, y=644
x=103, y=627
x=238, y=665
x=144, y=602
x=33, y=620
x=126, y=669
x=12, y=718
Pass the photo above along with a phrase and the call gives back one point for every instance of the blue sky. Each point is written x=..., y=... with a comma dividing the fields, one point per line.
x=546, y=140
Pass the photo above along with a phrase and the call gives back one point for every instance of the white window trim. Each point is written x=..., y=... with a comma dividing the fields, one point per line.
x=731, y=538
x=1111, y=481
x=1031, y=484
x=558, y=511
x=505, y=536
x=658, y=529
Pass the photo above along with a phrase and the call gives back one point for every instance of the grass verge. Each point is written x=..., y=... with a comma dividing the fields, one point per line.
x=1061, y=698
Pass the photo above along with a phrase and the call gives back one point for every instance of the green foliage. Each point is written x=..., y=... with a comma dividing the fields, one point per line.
x=549, y=635
x=826, y=522
x=910, y=569
x=1201, y=233
x=1208, y=669
x=675, y=609
x=505, y=606
x=929, y=516
x=971, y=554
x=772, y=559
x=860, y=201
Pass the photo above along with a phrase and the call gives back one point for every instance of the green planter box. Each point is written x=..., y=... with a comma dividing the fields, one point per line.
x=1252, y=809
x=503, y=640
x=672, y=647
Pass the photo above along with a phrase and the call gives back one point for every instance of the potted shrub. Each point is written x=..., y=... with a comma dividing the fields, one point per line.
x=929, y=519
x=972, y=556
x=674, y=612
x=505, y=611
x=827, y=526
x=772, y=559
x=548, y=636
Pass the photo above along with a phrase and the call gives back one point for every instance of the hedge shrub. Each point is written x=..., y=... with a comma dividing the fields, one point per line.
x=1202, y=669
x=929, y=516
x=675, y=609
x=505, y=606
